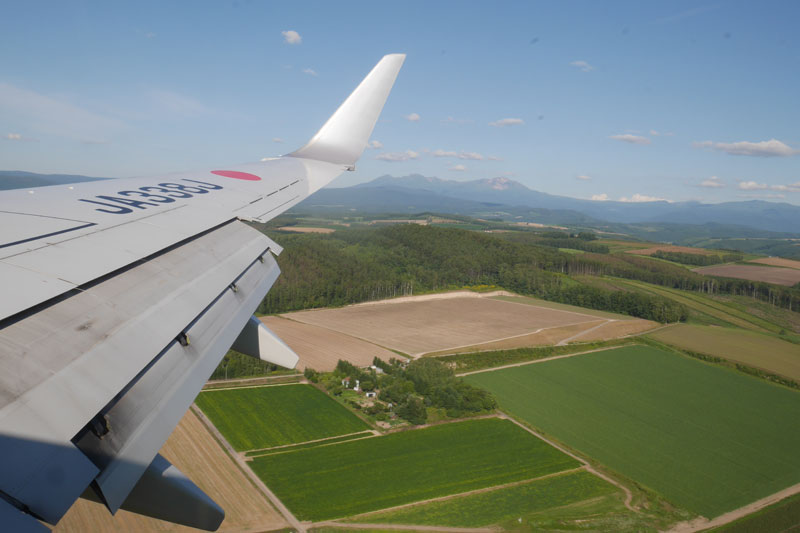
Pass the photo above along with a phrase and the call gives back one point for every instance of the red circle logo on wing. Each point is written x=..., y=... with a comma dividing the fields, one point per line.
x=237, y=175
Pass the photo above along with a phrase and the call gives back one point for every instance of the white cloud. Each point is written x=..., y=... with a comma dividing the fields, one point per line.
x=792, y=187
x=638, y=198
x=633, y=139
x=503, y=122
x=712, y=183
x=443, y=153
x=394, y=157
x=494, y=158
x=600, y=197
x=583, y=177
x=413, y=117
x=654, y=133
x=583, y=65
x=375, y=145
x=310, y=72
x=770, y=148
x=291, y=37
x=43, y=114
x=471, y=156
x=752, y=186
x=277, y=140
x=14, y=137
x=458, y=168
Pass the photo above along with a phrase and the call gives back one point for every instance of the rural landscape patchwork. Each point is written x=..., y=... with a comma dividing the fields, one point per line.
x=471, y=374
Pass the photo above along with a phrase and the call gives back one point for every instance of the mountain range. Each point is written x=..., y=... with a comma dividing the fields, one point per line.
x=416, y=193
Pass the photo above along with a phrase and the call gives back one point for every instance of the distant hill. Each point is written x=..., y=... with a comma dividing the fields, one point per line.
x=17, y=179
x=770, y=216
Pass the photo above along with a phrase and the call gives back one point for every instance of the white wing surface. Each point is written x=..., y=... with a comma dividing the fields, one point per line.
x=117, y=301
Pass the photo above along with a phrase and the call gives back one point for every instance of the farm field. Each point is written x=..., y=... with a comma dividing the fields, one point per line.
x=263, y=417
x=707, y=438
x=778, y=261
x=705, y=309
x=746, y=347
x=421, y=326
x=669, y=248
x=320, y=348
x=777, y=275
x=562, y=307
x=366, y=475
x=500, y=505
x=783, y=516
x=194, y=451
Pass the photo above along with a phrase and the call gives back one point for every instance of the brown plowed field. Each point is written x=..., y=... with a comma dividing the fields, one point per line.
x=779, y=276
x=546, y=337
x=419, y=327
x=616, y=329
x=320, y=348
x=778, y=261
x=194, y=451
x=669, y=248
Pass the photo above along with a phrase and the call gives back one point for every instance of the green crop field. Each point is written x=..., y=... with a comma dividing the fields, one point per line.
x=493, y=507
x=746, y=347
x=707, y=438
x=312, y=444
x=366, y=475
x=263, y=417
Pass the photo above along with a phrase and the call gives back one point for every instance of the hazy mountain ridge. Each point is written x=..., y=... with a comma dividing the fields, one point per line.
x=770, y=216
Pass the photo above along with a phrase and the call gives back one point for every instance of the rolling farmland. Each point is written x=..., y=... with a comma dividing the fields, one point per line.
x=778, y=261
x=769, y=274
x=425, y=325
x=747, y=347
x=500, y=505
x=263, y=417
x=707, y=438
x=371, y=474
x=320, y=348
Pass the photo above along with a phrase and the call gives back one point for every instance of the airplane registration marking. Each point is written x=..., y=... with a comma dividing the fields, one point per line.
x=142, y=198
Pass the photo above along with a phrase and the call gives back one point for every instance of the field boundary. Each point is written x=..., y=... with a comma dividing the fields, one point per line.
x=702, y=523
x=254, y=479
x=589, y=468
x=467, y=493
x=542, y=360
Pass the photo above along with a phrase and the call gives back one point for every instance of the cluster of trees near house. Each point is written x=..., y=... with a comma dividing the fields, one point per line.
x=410, y=388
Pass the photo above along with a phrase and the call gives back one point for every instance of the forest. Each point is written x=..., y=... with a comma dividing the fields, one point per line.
x=356, y=265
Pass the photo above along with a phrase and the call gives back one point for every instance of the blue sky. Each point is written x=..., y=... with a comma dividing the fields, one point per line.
x=634, y=100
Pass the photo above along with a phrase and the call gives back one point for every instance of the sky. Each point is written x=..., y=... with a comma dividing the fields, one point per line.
x=598, y=100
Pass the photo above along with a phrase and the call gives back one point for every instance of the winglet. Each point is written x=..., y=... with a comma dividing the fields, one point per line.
x=344, y=136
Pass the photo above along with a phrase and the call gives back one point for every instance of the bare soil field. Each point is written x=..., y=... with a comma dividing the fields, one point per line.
x=616, y=329
x=320, y=348
x=778, y=261
x=195, y=452
x=544, y=337
x=417, y=327
x=669, y=248
x=298, y=229
x=779, y=276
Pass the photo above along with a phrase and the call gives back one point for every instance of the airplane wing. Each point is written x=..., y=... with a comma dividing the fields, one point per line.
x=117, y=301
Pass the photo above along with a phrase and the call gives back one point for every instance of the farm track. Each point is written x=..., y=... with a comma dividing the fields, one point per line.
x=542, y=360
x=701, y=523
x=405, y=527
x=471, y=492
